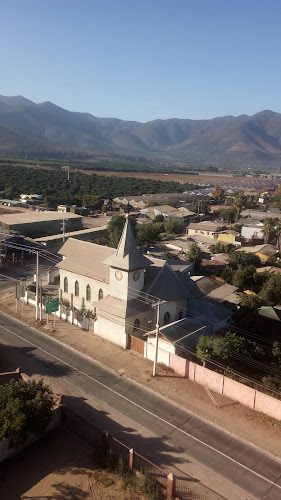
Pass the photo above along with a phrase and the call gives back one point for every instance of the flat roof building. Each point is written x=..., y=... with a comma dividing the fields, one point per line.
x=37, y=224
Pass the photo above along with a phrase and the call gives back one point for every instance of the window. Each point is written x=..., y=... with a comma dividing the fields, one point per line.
x=167, y=318
x=76, y=289
x=100, y=294
x=65, y=285
x=180, y=315
x=88, y=292
x=136, y=324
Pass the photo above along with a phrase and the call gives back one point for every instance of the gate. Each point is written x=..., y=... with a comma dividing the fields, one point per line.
x=136, y=345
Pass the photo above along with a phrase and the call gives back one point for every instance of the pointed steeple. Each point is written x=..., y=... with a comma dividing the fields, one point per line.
x=127, y=256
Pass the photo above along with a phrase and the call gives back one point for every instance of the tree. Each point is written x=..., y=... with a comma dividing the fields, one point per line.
x=115, y=228
x=243, y=277
x=170, y=255
x=244, y=259
x=271, y=291
x=201, y=207
x=25, y=407
x=194, y=255
x=218, y=193
x=148, y=233
x=219, y=247
x=268, y=229
x=174, y=226
x=250, y=301
x=227, y=274
x=204, y=348
x=159, y=218
x=228, y=214
x=223, y=348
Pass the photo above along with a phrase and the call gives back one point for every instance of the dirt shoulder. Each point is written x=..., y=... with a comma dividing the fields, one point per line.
x=244, y=423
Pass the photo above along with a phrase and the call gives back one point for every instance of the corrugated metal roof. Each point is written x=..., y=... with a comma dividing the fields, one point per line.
x=33, y=217
x=86, y=259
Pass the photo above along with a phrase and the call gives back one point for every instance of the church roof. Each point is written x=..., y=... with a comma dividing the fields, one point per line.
x=85, y=258
x=167, y=285
x=121, y=308
x=127, y=256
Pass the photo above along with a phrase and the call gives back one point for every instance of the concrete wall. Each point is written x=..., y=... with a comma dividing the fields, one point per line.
x=218, y=383
x=105, y=329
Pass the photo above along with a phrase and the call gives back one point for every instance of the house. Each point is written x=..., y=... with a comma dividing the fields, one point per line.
x=229, y=237
x=121, y=285
x=217, y=291
x=264, y=252
x=252, y=232
x=205, y=228
x=168, y=212
x=180, y=335
x=269, y=269
x=203, y=318
x=270, y=317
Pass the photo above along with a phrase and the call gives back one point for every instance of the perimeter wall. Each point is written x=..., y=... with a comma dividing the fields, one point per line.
x=218, y=383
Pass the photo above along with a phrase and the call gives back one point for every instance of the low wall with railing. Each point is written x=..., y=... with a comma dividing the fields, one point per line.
x=102, y=440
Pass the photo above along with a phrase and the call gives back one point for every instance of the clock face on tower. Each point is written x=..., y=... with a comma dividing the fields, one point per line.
x=118, y=275
x=136, y=275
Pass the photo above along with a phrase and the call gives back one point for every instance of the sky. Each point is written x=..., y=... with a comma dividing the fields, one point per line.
x=144, y=59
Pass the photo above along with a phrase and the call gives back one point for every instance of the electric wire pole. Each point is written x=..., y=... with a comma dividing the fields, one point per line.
x=154, y=373
x=37, y=286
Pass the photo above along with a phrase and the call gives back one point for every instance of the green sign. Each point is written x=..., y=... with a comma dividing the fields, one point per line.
x=52, y=305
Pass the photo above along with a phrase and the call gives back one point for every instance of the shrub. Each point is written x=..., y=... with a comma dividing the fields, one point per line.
x=25, y=407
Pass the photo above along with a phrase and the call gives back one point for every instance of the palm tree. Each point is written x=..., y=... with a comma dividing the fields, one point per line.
x=268, y=229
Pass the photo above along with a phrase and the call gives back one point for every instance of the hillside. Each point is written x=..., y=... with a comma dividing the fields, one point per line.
x=252, y=141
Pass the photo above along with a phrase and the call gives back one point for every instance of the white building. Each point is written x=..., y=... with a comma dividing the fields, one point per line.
x=120, y=286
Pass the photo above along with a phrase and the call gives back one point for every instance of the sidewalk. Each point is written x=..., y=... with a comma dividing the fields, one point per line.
x=241, y=422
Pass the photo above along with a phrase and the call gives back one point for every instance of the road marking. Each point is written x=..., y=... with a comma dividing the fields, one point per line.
x=144, y=409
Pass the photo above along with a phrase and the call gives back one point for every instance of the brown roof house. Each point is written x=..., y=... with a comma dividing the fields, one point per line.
x=121, y=286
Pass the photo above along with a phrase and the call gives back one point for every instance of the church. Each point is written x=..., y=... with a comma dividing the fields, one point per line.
x=121, y=287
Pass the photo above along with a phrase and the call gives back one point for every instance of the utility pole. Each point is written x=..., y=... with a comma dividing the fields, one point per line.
x=63, y=230
x=41, y=305
x=37, y=286
x=156, y=341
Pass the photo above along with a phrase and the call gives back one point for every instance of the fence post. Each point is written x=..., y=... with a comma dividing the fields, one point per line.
x=131, y=459
x=171, y=486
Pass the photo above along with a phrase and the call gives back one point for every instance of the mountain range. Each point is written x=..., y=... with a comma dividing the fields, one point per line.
x=31, y=129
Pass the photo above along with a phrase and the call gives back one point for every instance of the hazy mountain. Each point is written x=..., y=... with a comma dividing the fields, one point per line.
x=243, y=140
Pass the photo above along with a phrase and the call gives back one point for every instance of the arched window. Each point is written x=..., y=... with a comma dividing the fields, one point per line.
x=136, y=324
x=167, y=318
x=65, y=285
x=180, y=314
x=88, y=292
x=76, y=289
x=100, y=294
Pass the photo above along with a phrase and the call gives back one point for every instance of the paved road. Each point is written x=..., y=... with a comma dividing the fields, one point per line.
x=180, y=433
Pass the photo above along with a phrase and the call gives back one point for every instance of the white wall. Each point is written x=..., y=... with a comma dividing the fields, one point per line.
x=83, y=282
x=127, y=287
x=112, y=329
